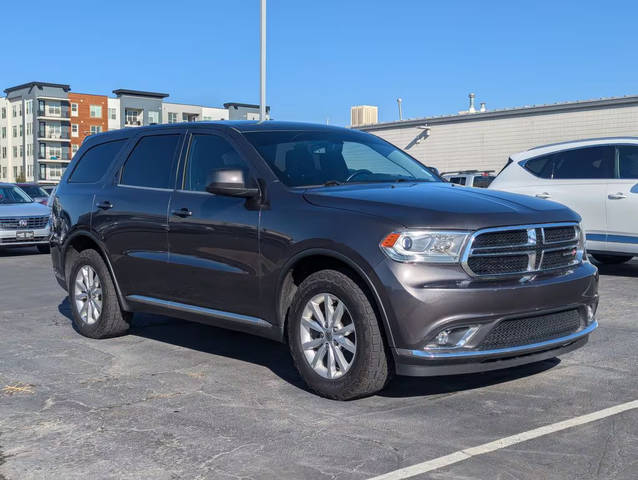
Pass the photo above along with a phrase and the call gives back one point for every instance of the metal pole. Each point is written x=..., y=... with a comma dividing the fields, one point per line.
x=399, y=100
x=262, y=66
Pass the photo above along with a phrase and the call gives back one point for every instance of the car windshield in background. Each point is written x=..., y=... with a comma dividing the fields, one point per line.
x=34, y=191
x=310, y=158
x=10, y=195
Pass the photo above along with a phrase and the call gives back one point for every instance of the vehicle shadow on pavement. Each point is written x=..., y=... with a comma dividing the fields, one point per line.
x=19, y=252
x=622, y=270
x=276, y=357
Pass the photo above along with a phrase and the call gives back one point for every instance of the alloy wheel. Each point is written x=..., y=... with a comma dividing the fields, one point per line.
x=88, y=294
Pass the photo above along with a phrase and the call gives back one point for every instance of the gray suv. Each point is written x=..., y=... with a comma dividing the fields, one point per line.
x=331, y=240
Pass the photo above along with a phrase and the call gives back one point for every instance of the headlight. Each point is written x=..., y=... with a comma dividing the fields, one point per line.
x=581, y=244
x=424, y=246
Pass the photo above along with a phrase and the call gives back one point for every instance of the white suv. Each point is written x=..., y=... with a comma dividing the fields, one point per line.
x=597, y=178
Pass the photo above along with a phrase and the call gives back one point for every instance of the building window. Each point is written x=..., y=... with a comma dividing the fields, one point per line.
x=21, y=151
x=29, y=128
x=43, y=171
x=132, y=117
x=74, y=130
x=15, y=173
x=4, y=172
x=95, y=129
x=96, y=111
x=29, y=106
x=15, y=131
x=74, y=149
x=113, y=113
x=20, y=129
x=43, y=150
x=3, y=113
x=74, y=109
x=14, y=110
x=153, y=118
x=172, y=117
x=53, y=110
x=4, y=132
x=4, y=152
x=29, y=150
x=15, y=151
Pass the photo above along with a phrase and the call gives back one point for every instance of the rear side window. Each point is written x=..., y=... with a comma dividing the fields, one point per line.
x=592, y=162
x=458, y=180
x=542, y=167
x=581, y=163
x=150, y=164
x=95, y=161
x=627, y=162
x=483, y=181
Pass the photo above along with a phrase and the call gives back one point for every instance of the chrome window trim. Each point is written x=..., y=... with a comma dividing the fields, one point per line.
x=209, y=312
x=500, y=351
x=469, y=251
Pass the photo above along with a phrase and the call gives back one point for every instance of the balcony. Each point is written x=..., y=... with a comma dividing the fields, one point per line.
x=54, y=157
x=133, y=123
x=54, y=112
x=63, y=135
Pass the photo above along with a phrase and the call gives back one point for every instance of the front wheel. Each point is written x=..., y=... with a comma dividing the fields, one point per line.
x=335, y=339
x=611, y=259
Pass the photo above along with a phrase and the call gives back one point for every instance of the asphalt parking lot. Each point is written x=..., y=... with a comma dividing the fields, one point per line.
x=180, y=400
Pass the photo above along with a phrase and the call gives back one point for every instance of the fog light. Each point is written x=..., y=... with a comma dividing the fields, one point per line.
x=590, y=311
x=456, y=337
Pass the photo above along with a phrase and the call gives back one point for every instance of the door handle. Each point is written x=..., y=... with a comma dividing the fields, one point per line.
x=616, y=196
x=543, y=195
x=105, y=205
x=182, y=212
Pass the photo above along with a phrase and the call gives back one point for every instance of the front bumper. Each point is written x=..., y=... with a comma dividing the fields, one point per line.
x=424, y=300
x=8, y=238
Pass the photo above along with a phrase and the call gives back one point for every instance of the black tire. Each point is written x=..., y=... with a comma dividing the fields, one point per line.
x=369, y=371
x=112, y=321
x=43, y=248
x=611, y=259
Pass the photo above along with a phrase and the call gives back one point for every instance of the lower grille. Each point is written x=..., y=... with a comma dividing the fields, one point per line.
x=8, y=241
x=525, y=331
x=23, y=223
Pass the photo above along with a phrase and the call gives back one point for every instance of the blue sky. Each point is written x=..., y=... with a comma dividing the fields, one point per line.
x=326, y=55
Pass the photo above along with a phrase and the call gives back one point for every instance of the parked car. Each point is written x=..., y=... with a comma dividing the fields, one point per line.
x=23, y=222
x=48, y=188
x=329, y=239
x=470, y=178
x=598, y=178
x=35, y=191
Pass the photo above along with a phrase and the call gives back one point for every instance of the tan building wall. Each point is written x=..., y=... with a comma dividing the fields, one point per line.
x=486, y=140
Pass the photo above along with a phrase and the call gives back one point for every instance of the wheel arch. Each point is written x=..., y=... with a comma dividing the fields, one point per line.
x=312, y=260
x=83, y=240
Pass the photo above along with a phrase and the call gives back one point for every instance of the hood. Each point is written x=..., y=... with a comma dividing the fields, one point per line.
x=441, y=205
x=24, y=210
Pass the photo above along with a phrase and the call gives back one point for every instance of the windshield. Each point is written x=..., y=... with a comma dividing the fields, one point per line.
x=10, y=195
x=319, y=158
x=34, y=191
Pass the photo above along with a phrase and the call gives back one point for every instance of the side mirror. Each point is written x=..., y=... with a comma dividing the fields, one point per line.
x=231, y=182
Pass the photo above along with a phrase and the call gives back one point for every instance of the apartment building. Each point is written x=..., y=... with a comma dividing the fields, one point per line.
x=43, y=124
x=88, y=117
x=482, y=139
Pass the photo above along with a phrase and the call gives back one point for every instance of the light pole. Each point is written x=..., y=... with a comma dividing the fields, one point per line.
x=262, y=64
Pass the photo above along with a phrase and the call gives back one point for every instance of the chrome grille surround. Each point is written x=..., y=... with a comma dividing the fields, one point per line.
x=485, y=260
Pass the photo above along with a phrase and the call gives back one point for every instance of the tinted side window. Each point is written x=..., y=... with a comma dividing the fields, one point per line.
x=628, y=162
x=483, y=181
x=95, y=161
x=458, y=180
x=151, y=161
x=541, y=166
x=206, y=154
x=591, y=162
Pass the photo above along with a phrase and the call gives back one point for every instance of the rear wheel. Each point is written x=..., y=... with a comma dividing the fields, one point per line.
x=611, y=259
x=335, y=339
x=94, y=304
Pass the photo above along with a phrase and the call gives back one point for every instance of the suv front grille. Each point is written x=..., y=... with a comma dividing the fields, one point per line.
x=23, y=223
x=522, y=250
x=525, y=331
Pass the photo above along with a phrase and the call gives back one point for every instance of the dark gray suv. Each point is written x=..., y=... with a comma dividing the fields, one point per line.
x=331, y=240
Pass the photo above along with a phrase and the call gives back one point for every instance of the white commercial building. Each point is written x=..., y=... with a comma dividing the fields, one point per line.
x=483, y=140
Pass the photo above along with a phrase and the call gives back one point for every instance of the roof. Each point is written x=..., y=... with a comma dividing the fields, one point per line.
x=63, y=86
x=239, y=125
x=139, y=93
x=508, y=112
x=244, y=105
x=556, y=147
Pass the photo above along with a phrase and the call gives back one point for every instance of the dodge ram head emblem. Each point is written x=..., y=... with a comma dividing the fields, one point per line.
x=23, y=223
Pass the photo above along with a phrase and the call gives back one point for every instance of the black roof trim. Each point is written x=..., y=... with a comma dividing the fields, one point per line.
x=227, y=105
x=139, y=93
x=63, y=86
